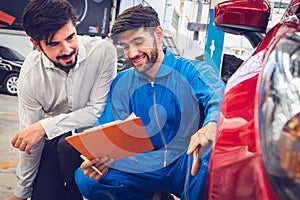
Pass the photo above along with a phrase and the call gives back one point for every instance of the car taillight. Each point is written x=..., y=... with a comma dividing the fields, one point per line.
x=280, y=117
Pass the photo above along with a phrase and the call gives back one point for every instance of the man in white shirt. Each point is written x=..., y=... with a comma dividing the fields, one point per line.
x=63, y=85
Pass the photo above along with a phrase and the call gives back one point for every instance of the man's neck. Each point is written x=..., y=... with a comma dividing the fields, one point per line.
x=64, y=69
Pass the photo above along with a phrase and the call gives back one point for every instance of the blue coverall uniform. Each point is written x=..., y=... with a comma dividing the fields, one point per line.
x=184, y=96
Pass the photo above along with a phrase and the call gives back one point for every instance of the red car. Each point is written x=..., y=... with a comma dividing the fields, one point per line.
x=257, y=149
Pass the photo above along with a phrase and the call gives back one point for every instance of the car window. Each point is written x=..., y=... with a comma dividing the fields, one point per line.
x=10, y=54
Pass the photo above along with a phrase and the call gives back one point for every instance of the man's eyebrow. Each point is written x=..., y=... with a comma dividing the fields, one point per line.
x=137, y=38
x=69, y=36
x=131, y=41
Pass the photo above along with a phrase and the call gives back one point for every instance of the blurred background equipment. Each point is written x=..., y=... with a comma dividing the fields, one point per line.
x=94, y=16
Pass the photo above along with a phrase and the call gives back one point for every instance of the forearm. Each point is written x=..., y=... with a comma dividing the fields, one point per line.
x=212, y=94
x=87, y=114
x=60, y=124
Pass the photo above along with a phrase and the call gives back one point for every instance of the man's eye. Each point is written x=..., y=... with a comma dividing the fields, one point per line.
x=139, y=43
x=71, y=37
x=53, y=44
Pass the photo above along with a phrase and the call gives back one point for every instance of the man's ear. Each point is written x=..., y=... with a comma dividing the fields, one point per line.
x=159, y=34
x=35, y=44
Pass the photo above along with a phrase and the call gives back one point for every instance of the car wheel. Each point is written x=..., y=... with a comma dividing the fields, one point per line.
x=10, y=84
x=122, y=64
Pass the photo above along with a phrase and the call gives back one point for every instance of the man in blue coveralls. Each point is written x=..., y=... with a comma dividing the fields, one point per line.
x=178, y=101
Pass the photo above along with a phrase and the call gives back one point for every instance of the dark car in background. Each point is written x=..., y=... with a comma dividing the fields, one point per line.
x=10, y=66
x=257, y=150
x=123, y=63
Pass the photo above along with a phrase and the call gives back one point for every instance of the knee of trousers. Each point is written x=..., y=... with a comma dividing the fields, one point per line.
x=63, y=145
x=84, y=183
x=105, y=190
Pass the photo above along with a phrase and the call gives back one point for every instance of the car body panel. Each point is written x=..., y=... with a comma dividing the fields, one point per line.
x=237, y=169
x=250, y=15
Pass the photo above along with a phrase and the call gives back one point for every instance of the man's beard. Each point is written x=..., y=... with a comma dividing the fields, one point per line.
x=68, y=67
x=152, y=58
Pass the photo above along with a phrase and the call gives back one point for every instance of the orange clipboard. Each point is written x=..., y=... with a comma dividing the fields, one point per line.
x=117, y=140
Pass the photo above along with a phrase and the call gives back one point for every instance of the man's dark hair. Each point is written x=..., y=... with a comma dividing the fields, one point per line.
x=43, y=18
x=134, y=18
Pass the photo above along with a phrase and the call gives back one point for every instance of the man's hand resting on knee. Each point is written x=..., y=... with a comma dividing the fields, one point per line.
x=29, y=136
x=200, y=138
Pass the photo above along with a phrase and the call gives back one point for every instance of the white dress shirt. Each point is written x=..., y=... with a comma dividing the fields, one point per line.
x=62, y=101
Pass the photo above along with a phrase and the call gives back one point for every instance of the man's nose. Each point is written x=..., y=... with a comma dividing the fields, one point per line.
x=133, y=52
x=66, y=48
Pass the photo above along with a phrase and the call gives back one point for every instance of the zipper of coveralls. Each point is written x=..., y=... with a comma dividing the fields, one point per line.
x=157, y=122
